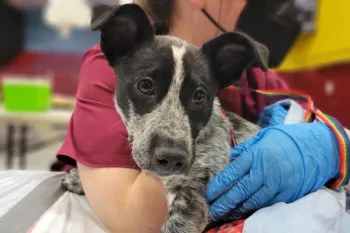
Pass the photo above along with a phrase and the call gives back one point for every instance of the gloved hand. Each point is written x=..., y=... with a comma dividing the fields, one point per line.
x=273, y=115
x=281, y=164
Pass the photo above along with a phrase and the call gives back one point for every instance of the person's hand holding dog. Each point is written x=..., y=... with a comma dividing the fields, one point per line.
x=281, y=164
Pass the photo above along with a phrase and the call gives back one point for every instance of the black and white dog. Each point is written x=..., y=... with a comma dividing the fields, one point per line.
x=166, y=95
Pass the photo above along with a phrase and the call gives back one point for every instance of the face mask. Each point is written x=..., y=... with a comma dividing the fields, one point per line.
x=273, y=24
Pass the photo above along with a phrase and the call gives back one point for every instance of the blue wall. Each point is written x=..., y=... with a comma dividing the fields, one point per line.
x=40, y=37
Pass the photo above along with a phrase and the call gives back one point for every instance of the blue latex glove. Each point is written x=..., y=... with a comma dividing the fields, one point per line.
x=281, y=164
x=273, y=115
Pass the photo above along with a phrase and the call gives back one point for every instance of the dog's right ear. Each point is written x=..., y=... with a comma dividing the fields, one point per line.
x=232, y=53
x=122, y=29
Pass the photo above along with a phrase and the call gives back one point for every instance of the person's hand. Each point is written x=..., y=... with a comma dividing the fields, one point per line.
x=273, y=115
x=281, y=164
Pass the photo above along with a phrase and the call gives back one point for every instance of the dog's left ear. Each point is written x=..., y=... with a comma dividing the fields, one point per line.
x=122, y=28
x=232, y=53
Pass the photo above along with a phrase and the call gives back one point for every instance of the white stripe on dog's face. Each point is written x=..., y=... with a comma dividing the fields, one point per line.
x=178, y=53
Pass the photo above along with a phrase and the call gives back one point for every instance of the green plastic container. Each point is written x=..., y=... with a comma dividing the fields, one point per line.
x=26, y=95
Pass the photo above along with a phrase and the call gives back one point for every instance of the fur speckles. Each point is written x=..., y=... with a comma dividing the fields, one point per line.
x=160, y=122
x=71, y=182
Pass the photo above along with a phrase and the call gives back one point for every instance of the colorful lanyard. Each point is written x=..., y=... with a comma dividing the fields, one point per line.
x=311, y=113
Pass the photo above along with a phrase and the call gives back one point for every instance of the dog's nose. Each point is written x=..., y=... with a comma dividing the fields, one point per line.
x=170, y=160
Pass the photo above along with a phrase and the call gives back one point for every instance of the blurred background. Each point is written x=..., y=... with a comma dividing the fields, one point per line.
x=41, y=49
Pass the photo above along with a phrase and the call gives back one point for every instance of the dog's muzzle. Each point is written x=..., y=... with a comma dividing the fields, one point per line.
x=169, y=160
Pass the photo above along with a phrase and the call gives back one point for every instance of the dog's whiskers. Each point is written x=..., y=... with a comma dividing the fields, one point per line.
x=115, y=125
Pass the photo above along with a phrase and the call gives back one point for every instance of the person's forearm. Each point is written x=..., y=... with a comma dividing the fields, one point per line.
x=125, y=200
x=147, y=203
x=143, y=210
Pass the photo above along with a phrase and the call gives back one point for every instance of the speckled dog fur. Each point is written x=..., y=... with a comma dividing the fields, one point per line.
x=200, y=131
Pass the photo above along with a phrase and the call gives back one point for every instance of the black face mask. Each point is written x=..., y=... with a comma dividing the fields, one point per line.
x=273, y=23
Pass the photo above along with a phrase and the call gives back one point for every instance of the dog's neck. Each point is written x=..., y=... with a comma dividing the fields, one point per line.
x=216, y=120
x=242, y=128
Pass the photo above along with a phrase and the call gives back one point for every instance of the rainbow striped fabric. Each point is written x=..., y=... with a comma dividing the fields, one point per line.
x=311, y=113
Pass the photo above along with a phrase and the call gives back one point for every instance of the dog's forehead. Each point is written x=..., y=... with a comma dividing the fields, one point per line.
x=169, y=41
x=193, y=62
x=161, y=56
x=191, y=54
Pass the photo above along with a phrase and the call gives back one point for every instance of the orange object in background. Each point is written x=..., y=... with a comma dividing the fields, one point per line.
x=234, y=227
x=329, y=87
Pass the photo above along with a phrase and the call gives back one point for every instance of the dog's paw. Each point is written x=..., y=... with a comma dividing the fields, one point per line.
x=71, y=182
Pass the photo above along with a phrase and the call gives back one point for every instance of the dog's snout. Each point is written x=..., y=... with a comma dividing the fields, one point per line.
x=170, y=160
x=171, y=156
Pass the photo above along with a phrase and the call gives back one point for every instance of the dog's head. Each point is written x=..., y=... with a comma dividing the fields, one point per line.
x=165, y=86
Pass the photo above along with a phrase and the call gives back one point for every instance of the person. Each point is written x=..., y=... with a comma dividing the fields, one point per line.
x=282, y=163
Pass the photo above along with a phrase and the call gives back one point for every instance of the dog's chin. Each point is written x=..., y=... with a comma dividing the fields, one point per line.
x=149, y=167
x=156, y=174
x=163, y=174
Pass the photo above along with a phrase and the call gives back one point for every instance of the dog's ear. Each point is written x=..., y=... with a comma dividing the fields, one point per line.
x=232, y=53
x=122, y=29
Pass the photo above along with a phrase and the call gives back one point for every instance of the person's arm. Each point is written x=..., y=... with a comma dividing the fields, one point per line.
x=291, y=112
x=281, y=164
x=300, y=158
x=125, y=200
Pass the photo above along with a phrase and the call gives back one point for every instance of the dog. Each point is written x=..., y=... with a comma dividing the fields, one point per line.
x=166, y=95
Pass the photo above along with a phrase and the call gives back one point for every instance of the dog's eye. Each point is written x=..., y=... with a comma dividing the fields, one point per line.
x=199, y=97
x=146, y=87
